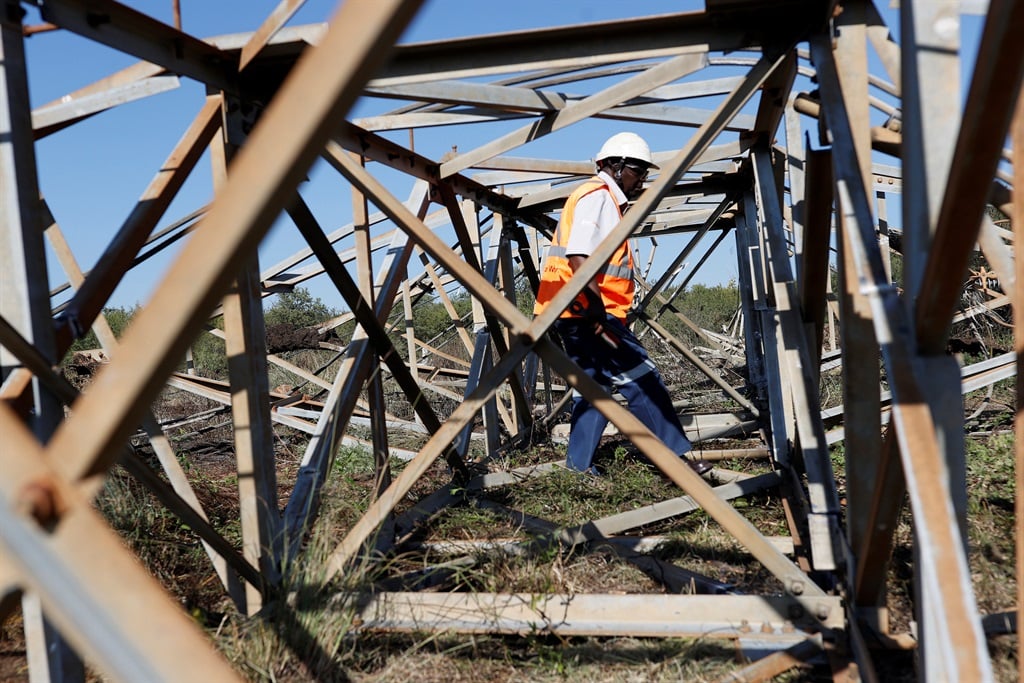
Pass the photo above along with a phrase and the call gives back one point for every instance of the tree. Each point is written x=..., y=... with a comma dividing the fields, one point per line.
x=298, y=308
x=117, y=317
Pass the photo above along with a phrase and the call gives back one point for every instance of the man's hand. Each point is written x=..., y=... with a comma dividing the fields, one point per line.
x=596, y=313
x=595, y=306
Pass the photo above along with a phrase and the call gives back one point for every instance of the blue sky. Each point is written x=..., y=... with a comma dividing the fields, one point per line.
x=93, y=173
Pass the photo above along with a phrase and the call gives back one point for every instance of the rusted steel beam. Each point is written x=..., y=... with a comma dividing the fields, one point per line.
x=180, y=498
x=125, y=29
x=89, y=584
x=245, y=338
x=613, y=95
x=1017, y=133
x=878, y=526
x=813, y=281
x=379, y=149
x=777, y=663
x=55, y=117
x=957, y=633
x=265, y=173
x=861, y=372
x=600, y=43
x=103, y=279
x=994, y=88
x=271, y=25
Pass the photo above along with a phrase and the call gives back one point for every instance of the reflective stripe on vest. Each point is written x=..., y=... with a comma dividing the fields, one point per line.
x=615, y=279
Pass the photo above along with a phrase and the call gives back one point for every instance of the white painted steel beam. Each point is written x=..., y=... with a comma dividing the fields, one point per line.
x=671, y=616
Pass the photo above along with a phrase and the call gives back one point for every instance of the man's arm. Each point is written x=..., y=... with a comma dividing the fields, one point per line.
x=575, y=261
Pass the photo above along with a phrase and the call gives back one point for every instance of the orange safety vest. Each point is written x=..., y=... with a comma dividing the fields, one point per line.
x=615, y=280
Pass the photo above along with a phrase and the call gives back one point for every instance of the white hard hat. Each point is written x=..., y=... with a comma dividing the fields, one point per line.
x=628, y=145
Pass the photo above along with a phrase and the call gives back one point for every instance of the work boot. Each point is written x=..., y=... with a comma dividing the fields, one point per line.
x=701, y=467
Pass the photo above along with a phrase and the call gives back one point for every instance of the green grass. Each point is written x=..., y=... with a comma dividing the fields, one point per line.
x=309, y=631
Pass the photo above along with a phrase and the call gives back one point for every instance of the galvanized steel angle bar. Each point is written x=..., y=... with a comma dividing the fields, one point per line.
x=55, y=117
x=525, y=336
x=795, y=362
x=704, y=368
x=271, y=25
x=117, y=257
x=480, y=99
x=471, y=254
x=861, y=372
x=631, y=519
x=341, y=402
x=886, y=48
x=24, y=306
x=364, y=313
x=138, y=34
x=379, y=149
x=778, y=392
x=24, y=301
x=774, y=97
x=813, y=252
x=568, y=47
x=727, y=616
x=91, y=586
x=291, y=131
x=140, y=71
x=182, y=500
x=303, y=503
x=931, y=111
x=262, y=533
x=1017, y=218
x=995, y=86
x=796, y=163
x=958, y=637
x=660, y=74
x=675, y=579
x=246, y=350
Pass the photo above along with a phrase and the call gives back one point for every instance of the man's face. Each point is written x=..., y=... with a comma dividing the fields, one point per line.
x=632, y=179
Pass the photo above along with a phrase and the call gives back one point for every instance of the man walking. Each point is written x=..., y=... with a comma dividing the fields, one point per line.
x=593, y=329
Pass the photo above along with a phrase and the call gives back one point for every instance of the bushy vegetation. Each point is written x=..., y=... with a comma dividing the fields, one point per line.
x=295, y=309
x=708, y=307
x=298, y=308
x=712, y=308
x=117, y=317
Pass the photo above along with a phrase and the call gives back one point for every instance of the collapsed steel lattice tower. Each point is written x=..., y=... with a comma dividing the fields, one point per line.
x=278, y=98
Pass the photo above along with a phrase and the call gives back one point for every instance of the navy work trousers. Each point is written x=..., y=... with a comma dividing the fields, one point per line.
x=626, y=369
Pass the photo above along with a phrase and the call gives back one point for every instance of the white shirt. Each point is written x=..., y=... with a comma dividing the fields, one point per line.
x=596, y=215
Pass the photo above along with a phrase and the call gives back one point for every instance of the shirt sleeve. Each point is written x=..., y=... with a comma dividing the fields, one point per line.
x=594, y=217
